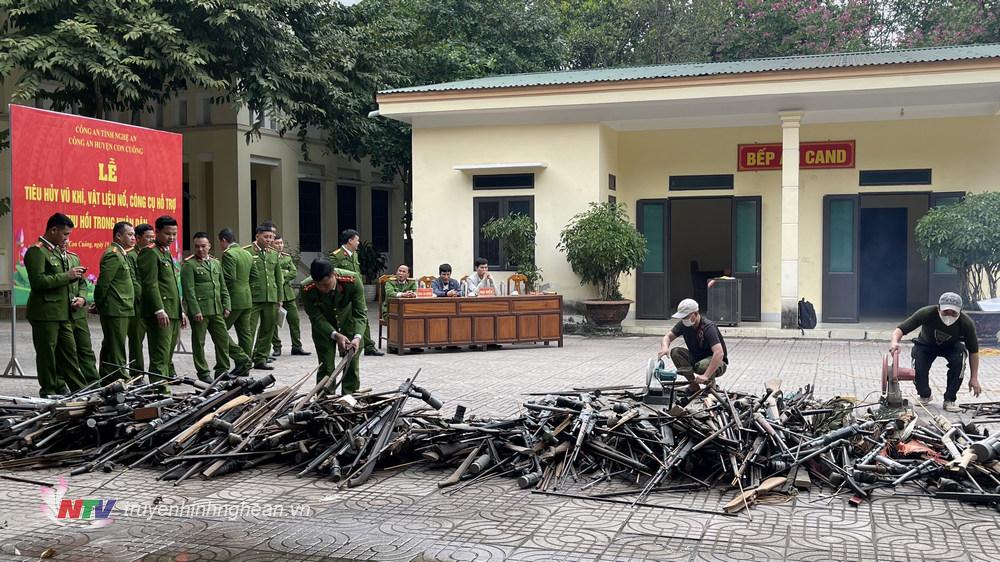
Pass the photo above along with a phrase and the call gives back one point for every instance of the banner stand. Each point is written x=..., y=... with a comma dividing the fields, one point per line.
x=13, y=368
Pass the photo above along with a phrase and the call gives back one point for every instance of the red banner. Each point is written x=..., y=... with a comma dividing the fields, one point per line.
x=96, y=172
x=812, y=155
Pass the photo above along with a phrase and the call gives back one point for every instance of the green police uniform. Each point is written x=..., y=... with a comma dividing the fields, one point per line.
x=342, y=259
x=392, y=288
x=160, y=291
x=289, y=271
x=136, y=329
x=265, y=291
x=49, y=315
x=205, y=294
x=114, y=296
x=342, y=310
x=85, y=357
x=236, y=264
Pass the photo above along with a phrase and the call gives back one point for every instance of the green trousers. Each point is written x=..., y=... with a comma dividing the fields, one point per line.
x=326, y=352
x=366, y=340
x=243, y=320
x=136, y=356
x=85, y=357
x=214, y=325
x=55, y=357
x=162, y=341
x=292, y=321
x=113, y=360
x=684, y=363
x=265, y=316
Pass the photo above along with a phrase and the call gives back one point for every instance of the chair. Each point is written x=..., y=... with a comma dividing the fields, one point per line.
x=520, y=282
x=380, y=298
x=426, y=281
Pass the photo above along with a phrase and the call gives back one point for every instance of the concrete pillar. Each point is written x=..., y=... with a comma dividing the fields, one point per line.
x=230, y=188
x=396, y=227
x=790, y=123
x=284, y=198
x=330, y=233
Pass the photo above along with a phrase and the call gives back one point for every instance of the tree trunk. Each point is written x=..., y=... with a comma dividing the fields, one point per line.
x=98, y=101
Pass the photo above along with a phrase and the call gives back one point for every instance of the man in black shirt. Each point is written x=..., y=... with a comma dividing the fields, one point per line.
x=943, y=329
x=706, y=356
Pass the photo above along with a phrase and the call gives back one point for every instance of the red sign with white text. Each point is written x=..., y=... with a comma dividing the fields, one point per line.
x=97, y=173
x=812, y=155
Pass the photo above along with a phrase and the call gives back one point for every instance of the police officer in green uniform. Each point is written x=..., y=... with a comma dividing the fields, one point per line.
x=85, y=357
x=114, y=297
x=264, y=290
x=334, y=300
x=400, y=286
x=144, y=236
x=289, y=271
x=50, y=276
x=236, y=264
x=161, y=299
x=346, y=257
x=206, y=300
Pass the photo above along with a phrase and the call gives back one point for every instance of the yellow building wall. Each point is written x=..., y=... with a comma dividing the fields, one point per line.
x=648, y=158
x=443, y=228
x=962, y=153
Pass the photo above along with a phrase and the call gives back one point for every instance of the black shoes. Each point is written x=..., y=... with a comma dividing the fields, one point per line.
x=264, y=367
x=276, y=352
x=300, y=351
x=374, y=352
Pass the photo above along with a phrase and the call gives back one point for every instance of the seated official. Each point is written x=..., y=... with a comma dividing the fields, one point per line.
x=400, y=286
x=945, y=331
x=480, y=279
x=444, y=285
x=706, y=357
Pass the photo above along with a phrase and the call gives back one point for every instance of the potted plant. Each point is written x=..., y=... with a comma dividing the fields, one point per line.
x=372, y=263
x=600, y=245
x=966, y=234
x=516, y=234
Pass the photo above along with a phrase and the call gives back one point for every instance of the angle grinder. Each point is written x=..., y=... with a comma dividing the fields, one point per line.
x=892, y=373
x=660, y=383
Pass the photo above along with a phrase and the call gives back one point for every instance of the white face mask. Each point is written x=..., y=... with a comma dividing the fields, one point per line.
x=687, y=322
x=948, y=320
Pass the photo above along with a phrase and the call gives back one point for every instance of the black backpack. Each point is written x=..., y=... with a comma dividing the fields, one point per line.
x=807, y=315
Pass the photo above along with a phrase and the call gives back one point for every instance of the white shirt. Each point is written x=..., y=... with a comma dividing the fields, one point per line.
x=474, y=283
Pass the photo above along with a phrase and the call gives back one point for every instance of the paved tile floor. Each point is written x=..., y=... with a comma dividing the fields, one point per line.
x=401, y=515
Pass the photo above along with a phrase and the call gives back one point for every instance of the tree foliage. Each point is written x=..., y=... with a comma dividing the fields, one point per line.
x=967, y=235
x=516, y=234
x=289, y=58
x=601, y=245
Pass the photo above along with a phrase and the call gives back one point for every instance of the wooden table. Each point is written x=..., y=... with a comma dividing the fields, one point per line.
x=442, y=321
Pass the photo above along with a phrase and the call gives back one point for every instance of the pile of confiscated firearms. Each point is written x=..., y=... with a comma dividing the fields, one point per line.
x=754, y=445
x=223, y=427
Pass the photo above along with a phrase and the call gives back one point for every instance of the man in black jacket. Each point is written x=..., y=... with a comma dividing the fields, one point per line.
x=945, y=331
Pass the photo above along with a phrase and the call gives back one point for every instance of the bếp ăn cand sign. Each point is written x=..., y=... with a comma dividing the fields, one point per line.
x=812, y=155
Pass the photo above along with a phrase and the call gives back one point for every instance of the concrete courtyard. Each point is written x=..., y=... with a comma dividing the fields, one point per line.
x=401, y=514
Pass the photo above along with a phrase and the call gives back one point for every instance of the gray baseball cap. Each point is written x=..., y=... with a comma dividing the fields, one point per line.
x=686, y=307
x=950, y=301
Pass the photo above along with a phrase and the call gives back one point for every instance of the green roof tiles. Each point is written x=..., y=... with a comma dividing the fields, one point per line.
x=807, y=62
